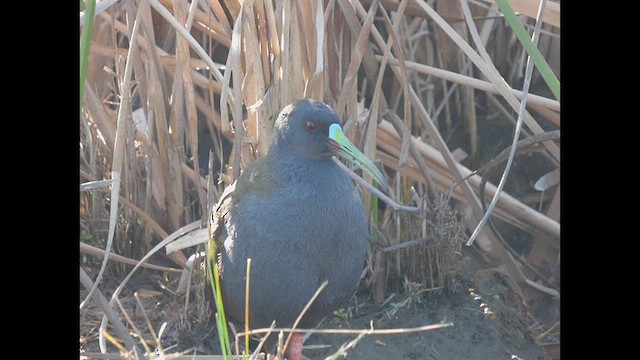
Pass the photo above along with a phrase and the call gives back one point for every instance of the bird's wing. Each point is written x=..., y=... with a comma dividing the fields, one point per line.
x=259, y=180
x=218, y=213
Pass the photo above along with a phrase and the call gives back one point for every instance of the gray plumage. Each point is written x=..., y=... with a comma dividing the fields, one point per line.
x=300, y=219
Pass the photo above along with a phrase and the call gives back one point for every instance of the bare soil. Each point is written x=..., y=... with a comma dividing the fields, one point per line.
x=489, y=320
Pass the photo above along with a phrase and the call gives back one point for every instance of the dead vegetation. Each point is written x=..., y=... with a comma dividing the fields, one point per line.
x=430, y=89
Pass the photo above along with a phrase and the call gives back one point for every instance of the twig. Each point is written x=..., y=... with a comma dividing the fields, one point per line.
x=504, y=155
x=516, y=135
x=95, y=184
x=444, y=174
x=146, y=319
x=178, y=257
x=92, y=250
x=86, y=281
x=111, y=356
x=375, y=191
x=396, y=331
x=544, y=334
x=405, y=244
x=342, y=351
x=417, y=157
x=544, y=289
x=454, y=77
x=304, y=311
x=256, y=353
x=133, y=325
x=146, y=257
x=554, y=291
x=247, y=291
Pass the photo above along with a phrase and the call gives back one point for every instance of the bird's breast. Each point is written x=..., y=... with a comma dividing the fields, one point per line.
x=308, y=230
x=315, y=209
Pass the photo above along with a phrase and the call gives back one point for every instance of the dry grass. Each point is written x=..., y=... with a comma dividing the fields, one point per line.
x=419, y=83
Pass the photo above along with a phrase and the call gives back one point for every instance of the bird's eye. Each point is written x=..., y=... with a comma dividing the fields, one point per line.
x=311, y=126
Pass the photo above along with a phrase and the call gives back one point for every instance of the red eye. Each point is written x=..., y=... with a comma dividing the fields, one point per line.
x=311, y=126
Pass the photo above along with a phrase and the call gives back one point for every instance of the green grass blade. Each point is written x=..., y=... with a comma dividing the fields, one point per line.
x=374, y=218
x=221, y=319
x=524, y=38
x=85, y=44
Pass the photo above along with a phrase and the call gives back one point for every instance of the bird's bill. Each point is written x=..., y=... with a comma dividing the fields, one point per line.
x=345, y=148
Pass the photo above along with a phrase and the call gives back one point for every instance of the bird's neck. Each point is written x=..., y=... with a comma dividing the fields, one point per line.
x=284, y=149
x=304, y=169
x=286, y=154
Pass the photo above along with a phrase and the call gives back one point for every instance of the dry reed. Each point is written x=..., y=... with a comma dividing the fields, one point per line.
x=169, y=81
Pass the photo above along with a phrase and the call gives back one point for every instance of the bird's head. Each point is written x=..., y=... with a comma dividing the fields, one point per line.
x=309, y=128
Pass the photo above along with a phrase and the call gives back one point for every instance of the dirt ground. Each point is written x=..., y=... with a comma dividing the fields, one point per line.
x=489, y=322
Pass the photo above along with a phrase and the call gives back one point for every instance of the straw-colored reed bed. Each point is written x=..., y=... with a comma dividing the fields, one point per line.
x=431, y=90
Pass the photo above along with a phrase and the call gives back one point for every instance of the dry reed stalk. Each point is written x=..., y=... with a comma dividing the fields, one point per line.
x=158, y=247
x=172, y=135
x=208, y=25
x=117, y=163
x=488, y=70
x=453, y=10
x=219, y=16
x=86, y=281
x=92, y=250
x=533, y=100
x=509, y=208
x=112, y=356
x=451, y=163
x=392, y=41
x=101, y=118
x=298, y=12
x=354, y=331
x=339, y=51
x=183, y=58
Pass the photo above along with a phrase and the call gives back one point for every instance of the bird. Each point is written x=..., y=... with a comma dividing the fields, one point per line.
x=300, y=219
